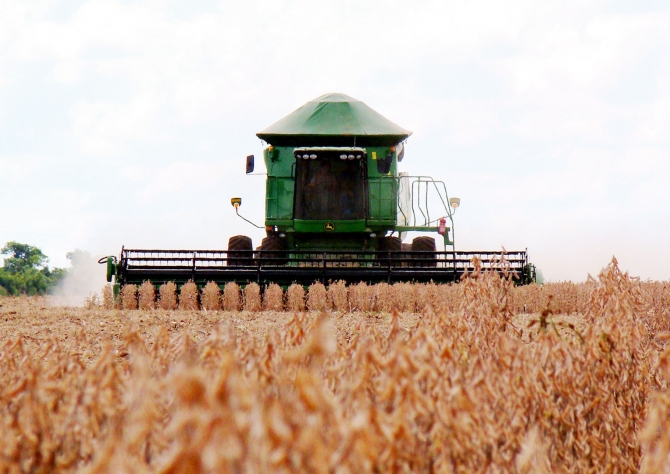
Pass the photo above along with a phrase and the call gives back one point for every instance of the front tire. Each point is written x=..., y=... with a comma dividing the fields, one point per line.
x=424, y=244
x=388, y=251
x=273, y=248
x=240, y=251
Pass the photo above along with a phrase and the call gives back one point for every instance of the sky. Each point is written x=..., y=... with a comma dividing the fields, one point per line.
x=128, y=122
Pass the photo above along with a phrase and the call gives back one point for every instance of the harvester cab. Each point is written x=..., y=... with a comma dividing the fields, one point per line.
x=336, y=208
x=333, y=183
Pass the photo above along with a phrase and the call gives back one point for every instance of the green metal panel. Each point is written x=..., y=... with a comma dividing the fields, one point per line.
x=382, y=189
x=279, y=198
x=279, y=187
x=383, y=200
x=279, y=161
x=325, y=226
x=376, y=153
x=329, y=241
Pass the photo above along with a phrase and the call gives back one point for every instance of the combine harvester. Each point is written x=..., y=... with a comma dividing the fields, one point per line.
x=336, y=208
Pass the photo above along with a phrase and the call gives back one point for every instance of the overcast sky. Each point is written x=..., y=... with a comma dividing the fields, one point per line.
x=127, y=123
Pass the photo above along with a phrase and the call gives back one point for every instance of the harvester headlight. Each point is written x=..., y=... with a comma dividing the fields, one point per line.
x=343, y=157
x=312, y=156
x=305, y=157
x=351, y=157
x=358, y=157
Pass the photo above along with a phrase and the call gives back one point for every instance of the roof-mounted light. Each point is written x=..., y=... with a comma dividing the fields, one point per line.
x=330, y=153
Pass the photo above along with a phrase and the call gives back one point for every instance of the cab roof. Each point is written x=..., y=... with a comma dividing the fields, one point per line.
x=334, y=120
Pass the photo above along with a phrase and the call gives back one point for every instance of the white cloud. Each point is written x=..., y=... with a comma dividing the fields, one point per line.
x=15, y=170
x=104, y=127
x=178, y=178
x=66, y=71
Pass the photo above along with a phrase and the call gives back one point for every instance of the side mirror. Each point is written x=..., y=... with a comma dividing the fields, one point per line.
x=384, y=166
x=250, y=164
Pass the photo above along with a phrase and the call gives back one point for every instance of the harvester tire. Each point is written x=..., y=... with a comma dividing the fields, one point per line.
x=239, y=251
x=389, y=249
x=273, y=243
x=424, y=244
x=406, y=256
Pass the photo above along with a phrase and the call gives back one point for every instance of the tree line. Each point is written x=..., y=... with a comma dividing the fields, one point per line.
x=25, y=270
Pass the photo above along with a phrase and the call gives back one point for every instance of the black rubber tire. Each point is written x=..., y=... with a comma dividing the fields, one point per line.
x=406, y=256
x=240, y=251
x=277, y=244
x=388, y=251
x=424, y=244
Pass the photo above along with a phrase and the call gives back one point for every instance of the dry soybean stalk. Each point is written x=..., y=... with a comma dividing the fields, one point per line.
x=129, y=297
x=188, y=296
x=211, y=297
x=147, y=298
x=316, y=297
x=231, y=297
x=252, y=297
x=167, y=296
x=273, y=298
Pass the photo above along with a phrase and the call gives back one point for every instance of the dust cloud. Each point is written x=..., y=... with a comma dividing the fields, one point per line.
x=83, y=281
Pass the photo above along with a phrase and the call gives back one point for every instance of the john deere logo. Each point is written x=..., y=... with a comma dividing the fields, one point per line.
x=329, y=226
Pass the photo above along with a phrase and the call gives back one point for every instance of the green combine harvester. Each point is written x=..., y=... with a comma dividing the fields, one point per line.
x=336, y=208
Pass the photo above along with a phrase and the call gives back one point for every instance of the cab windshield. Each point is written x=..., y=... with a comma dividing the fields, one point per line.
x=330, y=189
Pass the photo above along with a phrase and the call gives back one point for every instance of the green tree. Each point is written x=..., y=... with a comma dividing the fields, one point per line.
x=25, y=271
x=22, y=256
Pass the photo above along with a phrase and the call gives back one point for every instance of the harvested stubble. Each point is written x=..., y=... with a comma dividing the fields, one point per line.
x=147, y=297
x=452, y=391
x=295, y=298
x=317, y=297
x=188, y=296
x=232, y=300
x=252, y=297
x=129, y=297
x=273, y=298
x=338, y=296
x=211, y=297
x=167, y=296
